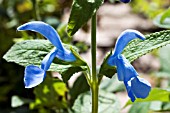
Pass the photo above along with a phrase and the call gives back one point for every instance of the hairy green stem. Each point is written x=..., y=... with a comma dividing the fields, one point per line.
x=94, y=85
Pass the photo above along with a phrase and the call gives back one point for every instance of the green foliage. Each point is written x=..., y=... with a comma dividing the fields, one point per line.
x=165, y=15
x=33, y=51
x=150, y=8
x=76, y=90
x=147, y=107
x=82, y=11
x=111, y=85
x=12, y=14
x=28, y=52
x=163, y=74
x=63, y=33
x=69, y=72
x=158, y=100
x=108, y=103
x=140, y=108
x=138, y=48
x=165, y=106
x=52, y=93
x=156, y=94
x=112, y=1
x=82, y=103
x=82, y=46
x=67, y=39
x=164, y=55
x=162, y=20
x=105, y=69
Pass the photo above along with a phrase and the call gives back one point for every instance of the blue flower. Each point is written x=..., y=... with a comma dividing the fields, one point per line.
x=125, y=1
x=136, y=87
x=35, y=75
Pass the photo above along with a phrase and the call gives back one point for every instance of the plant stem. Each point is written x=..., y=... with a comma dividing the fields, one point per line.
x=94, y=85
x=36, y=10
x=36, y=15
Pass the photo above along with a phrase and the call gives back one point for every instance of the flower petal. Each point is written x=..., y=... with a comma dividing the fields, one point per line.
x=44, y=29
x=112, y=60
x=48, y=59
x=124, y=38
x=129, y=91
x=50, y=33
x=140, y=87
x=120, y=69
x=125, y=70
x=65, y=55
x=33, y=76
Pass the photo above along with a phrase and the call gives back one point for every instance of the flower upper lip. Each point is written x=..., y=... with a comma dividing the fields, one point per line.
x=50, y=33
x=124, y=38
x=44, y=29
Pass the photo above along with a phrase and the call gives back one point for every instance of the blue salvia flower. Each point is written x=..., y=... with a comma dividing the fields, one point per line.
x=125, y=1
x=136, y=87
x=35, y=75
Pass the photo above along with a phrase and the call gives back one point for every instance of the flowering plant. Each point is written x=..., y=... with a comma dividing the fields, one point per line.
x=40, y=56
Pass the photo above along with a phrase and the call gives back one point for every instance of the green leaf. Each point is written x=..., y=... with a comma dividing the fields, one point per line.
x=111, y=85
x=76, y=66
x=156, y=94
x=165, y=15
x=108, y=103
x=70, y=71
x=83, y=103
x=51, y=94
x=76, y=90
x=163, y=19
x=164, y=55
x=62, y=31
x=105, y=69
x=155, y=105
x=33, y=51
x=82, y=11
x=147, y=107
x=112, y=1
x=138, y=48
x=140, y=108
x=165, y=106
x=30, y=52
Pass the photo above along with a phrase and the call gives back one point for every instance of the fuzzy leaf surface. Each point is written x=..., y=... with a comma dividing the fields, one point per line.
x=108, y=103
x=138, y=48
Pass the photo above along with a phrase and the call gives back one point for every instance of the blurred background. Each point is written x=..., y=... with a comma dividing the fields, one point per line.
x=113, y=18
